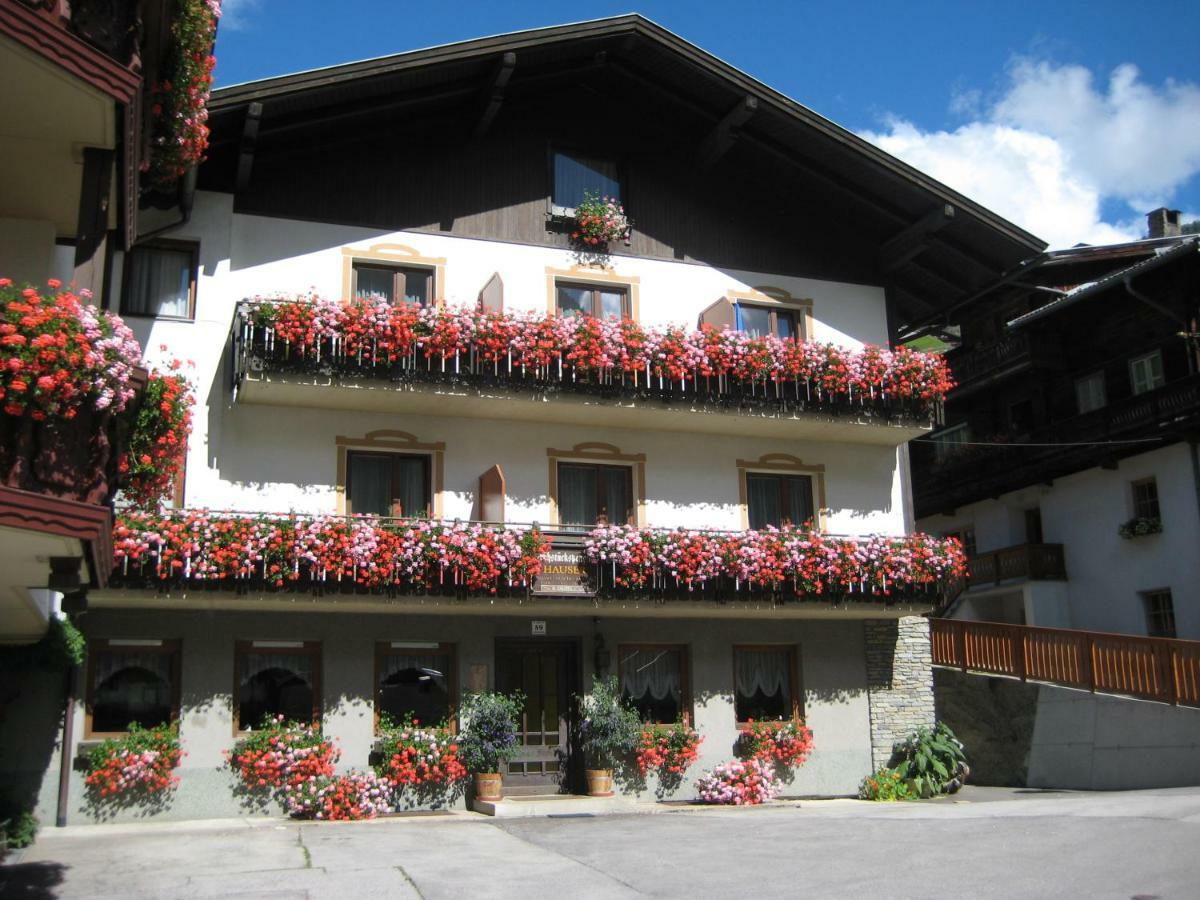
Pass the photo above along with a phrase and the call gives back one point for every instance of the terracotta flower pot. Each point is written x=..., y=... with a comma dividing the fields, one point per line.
x=599, y=782
x=488, y=786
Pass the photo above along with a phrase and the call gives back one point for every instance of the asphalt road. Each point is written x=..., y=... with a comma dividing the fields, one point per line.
x=987, y=843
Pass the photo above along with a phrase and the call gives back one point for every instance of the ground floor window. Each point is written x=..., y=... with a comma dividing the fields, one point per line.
x=765, y=683
x=654, y=679
x=131, y=681
x=277, y=678
x=415, y=679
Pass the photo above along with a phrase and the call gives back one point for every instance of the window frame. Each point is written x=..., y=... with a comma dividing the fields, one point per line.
x=394, y=456
x=627, y=468
x=1151, y=614
x=1134, y=486
x=168, y=244
x=686, y=710
x=960, y=533
x=942, y=448
x=595, y=289
x=384, y=648
x=1098, y=377
x=1146, y=358
x=784, y=495
x=292, y=648
x=399, y=271
x=795, y=685
x=568, y=212
x=165, y=646
x=773, y=311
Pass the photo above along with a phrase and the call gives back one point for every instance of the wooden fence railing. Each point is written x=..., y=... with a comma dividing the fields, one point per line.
x=1143, y=667
x=1041, y=562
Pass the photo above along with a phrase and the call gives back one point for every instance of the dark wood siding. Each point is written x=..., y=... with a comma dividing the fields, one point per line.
x=429, y=176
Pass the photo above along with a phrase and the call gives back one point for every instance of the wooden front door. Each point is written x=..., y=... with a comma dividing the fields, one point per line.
x=547, y=673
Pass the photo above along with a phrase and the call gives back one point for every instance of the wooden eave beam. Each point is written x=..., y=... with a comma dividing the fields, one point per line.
x=724, y=133
x=250, y=127
x=495, y=93
x=913, y=240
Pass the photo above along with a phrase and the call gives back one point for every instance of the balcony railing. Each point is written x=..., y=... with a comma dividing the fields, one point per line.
x=1011, y=354
x=1035, y=562
x=1128, y=665
x=1060, y=448
x=198, y=550
x=537, y=360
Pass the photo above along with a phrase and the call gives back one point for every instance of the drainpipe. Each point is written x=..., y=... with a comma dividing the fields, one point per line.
x=1194, y=446
x=68, y=747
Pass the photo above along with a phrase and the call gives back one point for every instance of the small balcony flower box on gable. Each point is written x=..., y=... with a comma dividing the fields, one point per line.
x=771, y=385
x=198, y=550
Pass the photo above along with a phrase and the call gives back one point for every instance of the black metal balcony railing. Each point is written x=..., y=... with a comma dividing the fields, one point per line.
x=1060, y=448
x=256, y=353
x=1036, y=562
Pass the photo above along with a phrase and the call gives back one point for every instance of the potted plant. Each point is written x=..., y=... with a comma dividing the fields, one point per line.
x=609, y=728
x=489, y=738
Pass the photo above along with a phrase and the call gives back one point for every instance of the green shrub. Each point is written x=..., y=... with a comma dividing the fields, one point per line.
x=609, y=727
x=19, y=831
x=931, y=761
x=884, y=785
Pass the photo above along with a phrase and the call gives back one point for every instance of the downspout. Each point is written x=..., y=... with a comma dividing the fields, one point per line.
x=1194, y=446
x=68, y=744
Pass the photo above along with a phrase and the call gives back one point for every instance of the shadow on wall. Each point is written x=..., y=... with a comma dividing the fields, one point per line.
x=994, y=718
x=31, y=717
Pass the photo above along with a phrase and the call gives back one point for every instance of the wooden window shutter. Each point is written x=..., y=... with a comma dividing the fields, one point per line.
x=491, y=298
x=720, y=315
x=491, y=495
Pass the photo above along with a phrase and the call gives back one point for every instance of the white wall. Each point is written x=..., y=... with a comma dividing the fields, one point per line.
x=1105, y=572
x=279, y=459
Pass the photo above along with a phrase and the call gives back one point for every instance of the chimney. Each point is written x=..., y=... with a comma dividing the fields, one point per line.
x=1163, y=222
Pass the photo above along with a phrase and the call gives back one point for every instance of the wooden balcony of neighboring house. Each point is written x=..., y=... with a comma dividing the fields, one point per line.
x=1018, y=352
x=57, y=481
x=1165, y=670
x=1023, y=562
x=1168, y=413
x=266, y=371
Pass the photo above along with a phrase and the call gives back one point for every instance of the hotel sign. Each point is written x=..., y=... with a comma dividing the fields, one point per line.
x=565, y=573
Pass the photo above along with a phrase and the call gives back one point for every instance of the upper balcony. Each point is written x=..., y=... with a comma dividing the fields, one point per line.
x=1024, y=562
x=1059, y=448
x=521, y=367
x=977, y=368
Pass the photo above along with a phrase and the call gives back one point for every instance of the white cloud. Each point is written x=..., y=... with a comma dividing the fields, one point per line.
x=236, y=14
x=1052, y=148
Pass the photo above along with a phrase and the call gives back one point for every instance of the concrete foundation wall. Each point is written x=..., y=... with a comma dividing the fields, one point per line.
x=832, y=672
x=1051, y=737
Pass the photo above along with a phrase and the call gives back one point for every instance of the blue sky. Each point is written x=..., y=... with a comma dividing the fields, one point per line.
x=1073, y=119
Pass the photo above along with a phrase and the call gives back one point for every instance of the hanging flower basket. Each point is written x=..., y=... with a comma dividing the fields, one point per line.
x=600, y=221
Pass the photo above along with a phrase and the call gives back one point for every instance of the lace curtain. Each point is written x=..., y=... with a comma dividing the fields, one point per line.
x=651, y=672
x=160, y=283
x=298, y=665
x=417, y=667
x=110, y=662
x=762, y=670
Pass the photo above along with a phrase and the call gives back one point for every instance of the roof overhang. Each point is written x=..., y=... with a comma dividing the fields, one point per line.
x=935, y=246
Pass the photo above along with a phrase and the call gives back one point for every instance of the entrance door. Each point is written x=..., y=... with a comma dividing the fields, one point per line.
x=547, y=674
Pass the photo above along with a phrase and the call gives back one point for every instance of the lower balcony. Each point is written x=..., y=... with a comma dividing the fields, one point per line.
x=241, y=561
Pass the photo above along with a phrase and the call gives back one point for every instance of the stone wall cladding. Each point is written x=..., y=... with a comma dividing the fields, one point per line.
x=899, y=681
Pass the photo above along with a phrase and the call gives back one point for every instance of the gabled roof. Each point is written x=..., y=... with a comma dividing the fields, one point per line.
x=940, y=245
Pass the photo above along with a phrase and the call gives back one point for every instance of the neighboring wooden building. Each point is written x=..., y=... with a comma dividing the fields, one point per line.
x=1068, y=461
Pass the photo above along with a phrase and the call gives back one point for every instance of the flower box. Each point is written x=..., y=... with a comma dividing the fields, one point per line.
x=1140, y=526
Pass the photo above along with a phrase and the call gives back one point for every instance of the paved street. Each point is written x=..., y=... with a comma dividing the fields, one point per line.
x=991, y=843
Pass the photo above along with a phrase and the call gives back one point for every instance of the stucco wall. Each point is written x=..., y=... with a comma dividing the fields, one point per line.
x=1105, y=572
x=832, y=674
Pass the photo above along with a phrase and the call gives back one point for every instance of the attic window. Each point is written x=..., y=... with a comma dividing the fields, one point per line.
x=576, y=175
